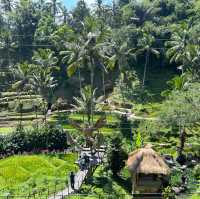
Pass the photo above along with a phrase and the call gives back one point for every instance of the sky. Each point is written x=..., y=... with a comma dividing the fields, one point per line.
x=70, y=4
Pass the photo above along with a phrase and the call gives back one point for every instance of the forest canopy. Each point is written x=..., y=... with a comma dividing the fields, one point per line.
x=126, y=36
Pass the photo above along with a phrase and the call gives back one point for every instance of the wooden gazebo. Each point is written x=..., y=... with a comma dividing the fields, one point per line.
x=148, y=170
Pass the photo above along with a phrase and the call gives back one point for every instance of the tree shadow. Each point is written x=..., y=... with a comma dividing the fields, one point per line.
x=123, y=182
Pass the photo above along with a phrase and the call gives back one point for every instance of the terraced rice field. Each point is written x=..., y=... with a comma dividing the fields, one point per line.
x=9, y=113
x=26, y=174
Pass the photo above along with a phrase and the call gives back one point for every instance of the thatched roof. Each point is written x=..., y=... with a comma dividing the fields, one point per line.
x=147, y=161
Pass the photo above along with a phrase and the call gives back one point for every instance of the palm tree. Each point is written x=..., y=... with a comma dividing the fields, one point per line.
x=64, y=13
x=144, y=10
x=73, y=58
x=177, y=83
x=99, y=8
x=89, y=132
x=195, y=60
x=88, y=50
x=42, y=79
x=44, y=84
x=21, y=73
x=121, y=53
x=120, y=57
x=146, y=47
x=54, y=6
x=45, y=58
x=84, y=104
x=179, y=47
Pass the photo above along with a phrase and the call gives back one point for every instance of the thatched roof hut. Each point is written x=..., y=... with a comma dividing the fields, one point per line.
x=147, y=169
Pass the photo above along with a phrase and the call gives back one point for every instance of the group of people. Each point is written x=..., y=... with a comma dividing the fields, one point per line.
x=84, y=162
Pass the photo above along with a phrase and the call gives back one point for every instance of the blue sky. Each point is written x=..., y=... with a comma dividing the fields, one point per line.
x=72, y=3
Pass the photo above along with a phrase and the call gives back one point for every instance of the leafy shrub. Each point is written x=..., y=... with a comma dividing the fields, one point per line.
x=138, y=141
x=175, y=178
x=36, y=139
x=197, y=171
x=116, y=155
x=168, y=193
x=125, y=127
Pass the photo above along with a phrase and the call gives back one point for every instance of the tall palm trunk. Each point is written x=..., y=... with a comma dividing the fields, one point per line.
x=92, y=85
x=44, y=111
x=79, y=76
x=103, y=82
x=121, y=82
x=21, y=113
x=182, y=139
x=145, y=67
x=54, y=10
x=36, y=115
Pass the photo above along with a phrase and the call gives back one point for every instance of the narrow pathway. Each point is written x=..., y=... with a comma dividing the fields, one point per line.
x=80, y=176
x=79, y=179
x=132, y=116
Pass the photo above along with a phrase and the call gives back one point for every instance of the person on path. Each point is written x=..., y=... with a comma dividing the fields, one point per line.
x=81, y=163
x=87, y=160
x=72, y=179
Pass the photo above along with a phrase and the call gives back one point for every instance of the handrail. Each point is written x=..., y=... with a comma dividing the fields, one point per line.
x=95, y=195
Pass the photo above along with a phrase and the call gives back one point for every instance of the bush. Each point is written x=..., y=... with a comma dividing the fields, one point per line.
x=168, y=193
x=197, y=171
x=116, y=155
x=125, y=127
x=35, y=140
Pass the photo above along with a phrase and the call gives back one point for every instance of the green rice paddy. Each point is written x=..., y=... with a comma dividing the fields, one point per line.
x=29, y=174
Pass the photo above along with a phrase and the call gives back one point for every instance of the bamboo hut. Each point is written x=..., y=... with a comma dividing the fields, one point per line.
x=148, y=170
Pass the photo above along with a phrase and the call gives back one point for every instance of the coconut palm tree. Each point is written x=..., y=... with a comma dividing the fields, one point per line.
x=121, y=53
x=179, y=46
x=87, y=50
x=73, y=58
x=43, y=83
x=144, y=10
x=146, y=48
x=195, y=60
x=45, y=59
x=177, y=83
x=42, y=80
x=21, y=75
x=84, y=104
x=120, y=57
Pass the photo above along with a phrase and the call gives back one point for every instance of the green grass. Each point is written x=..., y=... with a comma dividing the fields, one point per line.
x=14, y=94
x=197, y=194
x=147, y=110
x=28, y=173
x=79, y=117
x=112, y=122
x=6, y=130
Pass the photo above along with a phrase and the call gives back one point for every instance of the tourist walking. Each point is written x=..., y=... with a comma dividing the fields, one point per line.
x=72, y=179
x=87, y=160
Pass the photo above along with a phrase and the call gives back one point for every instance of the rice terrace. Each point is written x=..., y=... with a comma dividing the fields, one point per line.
x=99, y=99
